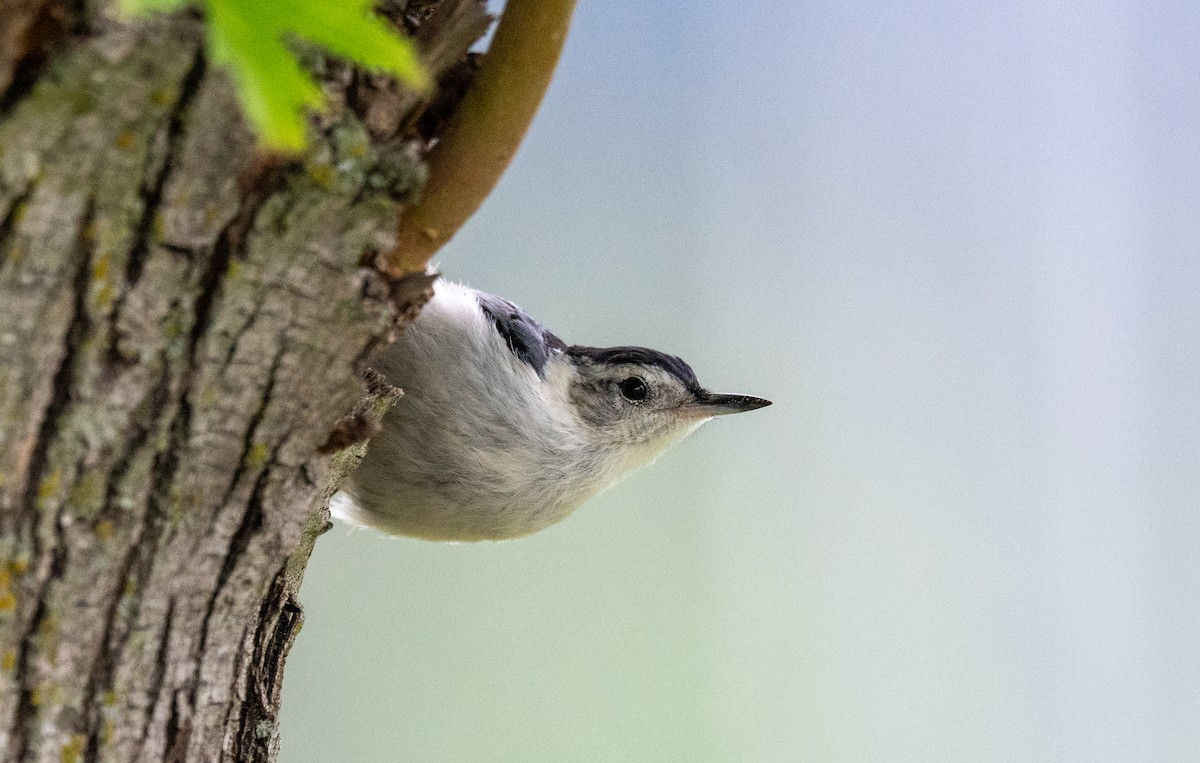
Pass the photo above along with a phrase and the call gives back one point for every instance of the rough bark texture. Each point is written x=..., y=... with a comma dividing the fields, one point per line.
x=182, y=325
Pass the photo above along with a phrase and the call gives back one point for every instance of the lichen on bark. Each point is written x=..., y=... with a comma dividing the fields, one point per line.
x=182, y=324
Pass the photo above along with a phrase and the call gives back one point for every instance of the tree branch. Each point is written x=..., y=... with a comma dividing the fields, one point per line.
x=486, y=129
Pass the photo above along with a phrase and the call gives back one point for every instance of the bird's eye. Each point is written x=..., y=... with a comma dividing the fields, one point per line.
x=634, y=389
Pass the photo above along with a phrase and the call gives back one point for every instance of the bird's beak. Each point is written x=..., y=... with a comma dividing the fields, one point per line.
x=709, y=404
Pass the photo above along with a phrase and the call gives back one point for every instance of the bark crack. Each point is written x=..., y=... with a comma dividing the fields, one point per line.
x=43, y=24
x=251, y=319
x=252, y=518
x=61, y=384
x=135, y=440
x=26, y=706
x=279, y=618
x=152, y=194
x=50, y=547
x=11, y=216
x=101, y=676
x=158, y=679
x=252, y=425
x=228, y=241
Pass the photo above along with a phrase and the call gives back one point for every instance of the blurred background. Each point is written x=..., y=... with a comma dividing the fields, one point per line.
x=959, y=246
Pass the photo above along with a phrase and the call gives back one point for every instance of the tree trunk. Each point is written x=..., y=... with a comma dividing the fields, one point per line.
x=182, y=324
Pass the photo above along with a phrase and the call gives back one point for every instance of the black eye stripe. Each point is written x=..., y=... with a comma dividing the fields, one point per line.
x=613, y=356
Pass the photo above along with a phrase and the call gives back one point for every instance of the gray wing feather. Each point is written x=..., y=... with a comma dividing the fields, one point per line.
x=527, y=339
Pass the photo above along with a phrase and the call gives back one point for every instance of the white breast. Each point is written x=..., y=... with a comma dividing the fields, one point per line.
x=479, y=447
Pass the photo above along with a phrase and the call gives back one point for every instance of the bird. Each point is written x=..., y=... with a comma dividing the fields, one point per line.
x=503, y=429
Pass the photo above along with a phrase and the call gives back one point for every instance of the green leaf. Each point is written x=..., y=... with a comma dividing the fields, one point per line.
x=251, y=38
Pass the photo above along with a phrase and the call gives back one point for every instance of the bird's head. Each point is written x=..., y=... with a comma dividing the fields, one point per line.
x=642, y=400
x=624, y=405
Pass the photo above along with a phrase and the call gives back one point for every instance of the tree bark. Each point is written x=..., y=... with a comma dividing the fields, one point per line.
x=182, y=324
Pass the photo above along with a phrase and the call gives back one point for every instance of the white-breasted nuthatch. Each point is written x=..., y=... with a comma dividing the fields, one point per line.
x=504, y=429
